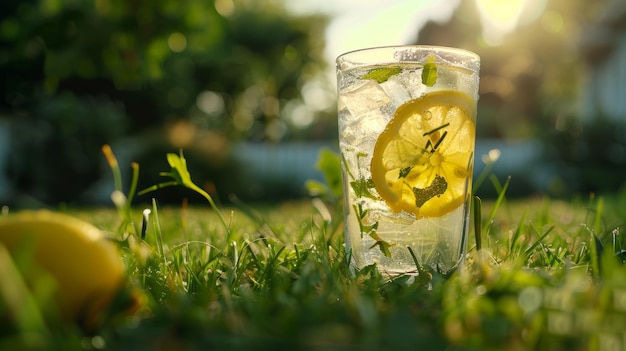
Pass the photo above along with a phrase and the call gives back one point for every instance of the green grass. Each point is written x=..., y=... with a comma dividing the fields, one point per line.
x=546, y=277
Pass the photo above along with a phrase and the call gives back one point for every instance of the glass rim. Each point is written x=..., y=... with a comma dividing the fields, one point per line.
x=360, y=57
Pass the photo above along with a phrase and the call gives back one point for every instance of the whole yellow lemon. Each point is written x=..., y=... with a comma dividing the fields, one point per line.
x=86, y=267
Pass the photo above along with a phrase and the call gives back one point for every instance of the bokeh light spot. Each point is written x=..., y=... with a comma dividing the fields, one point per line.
x=271, y=106
x=181, y=134
x=275, y=130
x=243, y=120
x=177, y=42
x=225, y=7
x=317, y=96
x=210, y=102
x=298, y=114
x=530, y=299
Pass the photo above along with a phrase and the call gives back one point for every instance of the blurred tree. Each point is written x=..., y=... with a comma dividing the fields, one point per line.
x=158, y=56
x=530, y=80
x=531, y=86
x=228, y=67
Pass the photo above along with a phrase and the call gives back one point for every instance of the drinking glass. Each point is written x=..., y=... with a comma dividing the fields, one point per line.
x=407, y=117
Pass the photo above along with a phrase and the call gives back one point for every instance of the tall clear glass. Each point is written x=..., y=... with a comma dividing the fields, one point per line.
x=407, y=118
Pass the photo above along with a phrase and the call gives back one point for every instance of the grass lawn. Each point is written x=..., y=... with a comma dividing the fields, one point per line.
x=548, y=275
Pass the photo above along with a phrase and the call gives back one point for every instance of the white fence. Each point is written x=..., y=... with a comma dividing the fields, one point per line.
x=295, y=163
x=292, y=164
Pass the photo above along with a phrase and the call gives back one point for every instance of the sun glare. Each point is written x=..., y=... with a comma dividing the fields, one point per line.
x=500, y=17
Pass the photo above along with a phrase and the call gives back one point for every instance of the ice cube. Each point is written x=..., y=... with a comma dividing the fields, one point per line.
x=412, y=82
x=396, y=91
x=365, y=128
x=364, y=96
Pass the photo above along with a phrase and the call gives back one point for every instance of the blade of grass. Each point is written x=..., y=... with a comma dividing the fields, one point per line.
x=254, y=257
x=424, y=278
x=552, y=257
x=597, y=222
x=499, y=200
x=539, y=241
x=595, y=252
x=478, y=225
x=19, y=300
x=491, y=159
x=420, y=269
x=121, y=201
x=117, y=174
x=270, y=264
x=517, y=233
x=133, y=182
x=158, y=234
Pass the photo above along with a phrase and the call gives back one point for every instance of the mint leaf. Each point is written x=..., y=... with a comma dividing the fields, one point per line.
x=361, y=187
x=364, y=228
x=436, y=188
x=429, y=73
x=405, y=172
x=371, y=229
x=382, y=244
x=381, y=75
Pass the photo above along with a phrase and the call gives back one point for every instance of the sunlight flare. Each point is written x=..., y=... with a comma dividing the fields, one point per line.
x=499, y=17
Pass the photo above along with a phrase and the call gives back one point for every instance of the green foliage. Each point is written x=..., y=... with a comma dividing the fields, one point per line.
x=230, y=69
x=180, y=175
x=329, y=165
x=167, y=51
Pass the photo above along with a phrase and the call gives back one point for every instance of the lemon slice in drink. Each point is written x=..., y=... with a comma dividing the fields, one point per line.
x=422, y=160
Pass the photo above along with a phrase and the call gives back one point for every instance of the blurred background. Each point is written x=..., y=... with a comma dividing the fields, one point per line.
x=246, y=89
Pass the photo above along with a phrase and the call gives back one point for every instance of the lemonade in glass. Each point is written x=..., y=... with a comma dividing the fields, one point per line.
x=407, y=118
